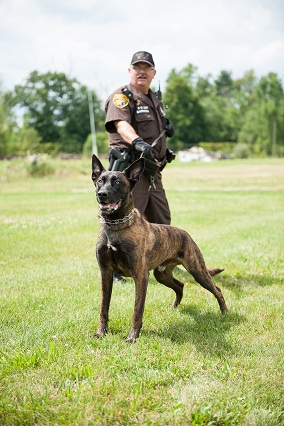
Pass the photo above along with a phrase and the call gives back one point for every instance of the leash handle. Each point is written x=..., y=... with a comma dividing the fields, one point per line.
x=159, y=137
x=152, y=178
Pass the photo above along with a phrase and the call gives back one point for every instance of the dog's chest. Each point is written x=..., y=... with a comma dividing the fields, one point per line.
x=111, y=246
x=113, y=243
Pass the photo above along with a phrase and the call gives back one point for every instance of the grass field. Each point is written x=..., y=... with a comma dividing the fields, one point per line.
x=191, y=365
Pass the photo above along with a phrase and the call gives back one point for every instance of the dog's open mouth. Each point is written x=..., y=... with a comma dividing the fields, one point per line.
x=109, y=208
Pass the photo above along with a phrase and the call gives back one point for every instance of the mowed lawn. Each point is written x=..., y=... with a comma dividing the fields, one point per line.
x=191, y=365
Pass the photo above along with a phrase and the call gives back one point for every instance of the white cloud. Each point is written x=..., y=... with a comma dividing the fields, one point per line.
x=93, y=41
x=269, y=55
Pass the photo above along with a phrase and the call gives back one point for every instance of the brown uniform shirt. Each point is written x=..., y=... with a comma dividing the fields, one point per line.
x=143, y=112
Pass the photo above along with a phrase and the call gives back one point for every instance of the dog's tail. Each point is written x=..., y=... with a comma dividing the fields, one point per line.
x=215, y=271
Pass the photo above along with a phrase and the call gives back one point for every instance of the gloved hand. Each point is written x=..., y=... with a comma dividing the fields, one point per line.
x=141, y=146
x=170, y=131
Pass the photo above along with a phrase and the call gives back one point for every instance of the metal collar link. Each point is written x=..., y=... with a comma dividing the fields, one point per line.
x=117, y=221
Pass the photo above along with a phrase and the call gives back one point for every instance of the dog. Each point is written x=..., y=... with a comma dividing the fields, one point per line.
x=131, y=246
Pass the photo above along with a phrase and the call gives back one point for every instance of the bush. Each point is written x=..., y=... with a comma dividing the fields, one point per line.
x=38, y=166
x=223, y=147
x=241, y=150
x=280, y=151
x=102, y=144
x=23, y=141
x=50, y=148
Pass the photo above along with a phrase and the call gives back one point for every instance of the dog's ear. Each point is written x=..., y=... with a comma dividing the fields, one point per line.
x=97, y=168
x=135, y=170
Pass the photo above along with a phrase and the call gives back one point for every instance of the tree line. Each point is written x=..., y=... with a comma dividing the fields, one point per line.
x=247, y=112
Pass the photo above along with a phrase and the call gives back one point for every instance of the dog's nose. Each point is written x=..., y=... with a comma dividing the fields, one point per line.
x=102, y=194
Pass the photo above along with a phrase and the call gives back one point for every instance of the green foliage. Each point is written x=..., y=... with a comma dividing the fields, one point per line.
x=202, y=109
x=223, y=147
x=185, y=110
x=57, y=107
x=241, y=150
x=266, y=108
x=101, y=141
x=244, y=111
x=214, y=107
x=39, y=166
x=7, y=123
x=50, y=148
x=26, y=140
x=23, y=141
x=224, y=84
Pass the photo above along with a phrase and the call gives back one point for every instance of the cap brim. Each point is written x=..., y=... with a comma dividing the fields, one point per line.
x=146, y=62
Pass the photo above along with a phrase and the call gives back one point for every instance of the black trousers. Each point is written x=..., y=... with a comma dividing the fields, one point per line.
x=152, y=203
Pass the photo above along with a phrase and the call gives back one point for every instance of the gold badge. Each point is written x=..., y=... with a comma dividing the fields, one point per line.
x=120, y=100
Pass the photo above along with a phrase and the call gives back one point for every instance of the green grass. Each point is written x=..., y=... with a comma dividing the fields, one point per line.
x=191, y=365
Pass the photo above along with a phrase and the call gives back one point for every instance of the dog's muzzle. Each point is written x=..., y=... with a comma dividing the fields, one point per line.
x=109, y=208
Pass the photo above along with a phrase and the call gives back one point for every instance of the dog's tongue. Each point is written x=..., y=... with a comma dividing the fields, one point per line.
x=109, y=207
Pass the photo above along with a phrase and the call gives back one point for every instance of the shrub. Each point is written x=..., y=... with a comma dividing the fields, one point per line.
x=241, y=150
x=223, y=147
x=26, y=139
x=38, y=166
x=102, y=144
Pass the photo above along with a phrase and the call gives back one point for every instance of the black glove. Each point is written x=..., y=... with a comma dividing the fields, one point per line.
x=170, y=155
x=143, y=147
x=169, y=128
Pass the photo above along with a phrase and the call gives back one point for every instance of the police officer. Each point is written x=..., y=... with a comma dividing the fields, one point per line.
x=137, y=126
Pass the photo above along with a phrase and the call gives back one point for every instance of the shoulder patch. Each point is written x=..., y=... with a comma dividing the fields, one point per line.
x=120, y=100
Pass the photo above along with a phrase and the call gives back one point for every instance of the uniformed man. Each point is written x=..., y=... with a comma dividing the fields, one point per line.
x=137, y=126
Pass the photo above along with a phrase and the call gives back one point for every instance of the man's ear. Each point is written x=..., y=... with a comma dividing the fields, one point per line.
x=97, y=168
x=135, y=170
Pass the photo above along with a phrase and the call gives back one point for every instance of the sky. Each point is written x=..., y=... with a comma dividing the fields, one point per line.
x=94, y=40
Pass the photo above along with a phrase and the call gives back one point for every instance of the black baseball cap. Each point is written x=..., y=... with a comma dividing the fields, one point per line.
x=142, y=57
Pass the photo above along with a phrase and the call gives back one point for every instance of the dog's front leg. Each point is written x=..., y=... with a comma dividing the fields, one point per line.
x=141, y=284
x=106, y=290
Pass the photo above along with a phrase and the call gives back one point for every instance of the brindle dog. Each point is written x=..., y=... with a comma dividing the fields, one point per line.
x=131, y=246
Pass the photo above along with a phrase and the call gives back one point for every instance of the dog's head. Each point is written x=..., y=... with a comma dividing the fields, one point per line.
x=112, y=187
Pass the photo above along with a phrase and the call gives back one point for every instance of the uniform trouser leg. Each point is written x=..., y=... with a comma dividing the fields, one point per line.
x=152, y=203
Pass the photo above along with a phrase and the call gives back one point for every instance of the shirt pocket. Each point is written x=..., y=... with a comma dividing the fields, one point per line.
x=141, y=116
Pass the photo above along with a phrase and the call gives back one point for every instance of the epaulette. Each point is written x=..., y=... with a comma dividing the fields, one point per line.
x=127, y=92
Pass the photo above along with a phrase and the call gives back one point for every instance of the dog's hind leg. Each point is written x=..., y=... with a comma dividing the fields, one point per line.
x=203, y=277
x=194, y=263
x=164, y=275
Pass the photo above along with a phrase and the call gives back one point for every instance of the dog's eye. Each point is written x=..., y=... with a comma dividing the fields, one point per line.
x=117, y=182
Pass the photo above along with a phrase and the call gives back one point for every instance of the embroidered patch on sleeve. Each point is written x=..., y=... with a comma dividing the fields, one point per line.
x=120, y=100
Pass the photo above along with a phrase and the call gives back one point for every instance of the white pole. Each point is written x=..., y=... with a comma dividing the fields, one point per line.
x=92, y=123
x=274, y=138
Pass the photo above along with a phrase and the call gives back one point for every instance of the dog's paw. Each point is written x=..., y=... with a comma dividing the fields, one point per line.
x=130, y=340
x=101, y=332
x=133, y=335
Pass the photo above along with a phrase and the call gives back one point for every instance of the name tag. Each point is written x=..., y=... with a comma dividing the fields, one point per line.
x=142, y=109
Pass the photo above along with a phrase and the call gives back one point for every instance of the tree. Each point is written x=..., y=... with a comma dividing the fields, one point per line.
x=57, y=108
x=263, y=121
x=244, y=91
x=221, y=114
x=23, y=141
x=224, y=84
x=7, y=123
x=4, y=129
x=185, y=111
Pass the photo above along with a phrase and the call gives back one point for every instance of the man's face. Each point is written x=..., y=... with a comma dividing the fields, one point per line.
x=141, y=76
